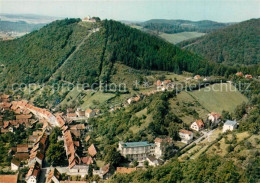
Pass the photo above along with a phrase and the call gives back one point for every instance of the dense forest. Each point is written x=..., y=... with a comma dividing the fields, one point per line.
x=68, y=50
x=236, y=44
x=176, y=26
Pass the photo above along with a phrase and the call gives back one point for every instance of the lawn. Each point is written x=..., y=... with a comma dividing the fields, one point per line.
x=219, y=97
x=179, y=37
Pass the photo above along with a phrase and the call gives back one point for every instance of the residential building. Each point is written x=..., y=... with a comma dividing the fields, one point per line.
x=239, y=74
x=186, y=136
x=197, y=125
x=92, y=150
x=214, y=117
x=160, y=146
x=229, y=126
x=33, y=173
x=87, y=160
x=36, y=157
x=248, y=76
x=197, y=77
x=89, y=113
x=153, y=161
x=15, y=165
x=133, y=99
x=22, y=148
x=103, y=172
x=79, y=170
x=136, y=150
x=53, y=176
x=21, y=156
x=80, y=113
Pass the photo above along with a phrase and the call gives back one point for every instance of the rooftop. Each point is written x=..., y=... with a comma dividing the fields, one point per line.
x=136, y=144
x=8, y=178
x=229, y=122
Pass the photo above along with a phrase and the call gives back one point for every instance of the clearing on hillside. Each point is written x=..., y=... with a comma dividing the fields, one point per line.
x=179, y=37
x=219, y=97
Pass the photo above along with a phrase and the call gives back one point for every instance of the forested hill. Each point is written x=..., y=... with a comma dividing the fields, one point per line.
x=237, y=44
x=176, y=26
x=76, y=51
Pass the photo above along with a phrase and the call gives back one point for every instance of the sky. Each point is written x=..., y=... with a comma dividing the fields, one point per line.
x=138, y=10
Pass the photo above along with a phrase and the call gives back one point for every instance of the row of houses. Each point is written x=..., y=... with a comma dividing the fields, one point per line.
x=81, y=114
x=38, y=112
x=247, y=76
x=79, y=165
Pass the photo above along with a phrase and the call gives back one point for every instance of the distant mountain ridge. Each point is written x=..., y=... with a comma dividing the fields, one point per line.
x=176, y=26
x=19, y=26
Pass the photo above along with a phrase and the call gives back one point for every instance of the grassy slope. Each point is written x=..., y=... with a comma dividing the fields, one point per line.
x=217, y=100
x=179, y=37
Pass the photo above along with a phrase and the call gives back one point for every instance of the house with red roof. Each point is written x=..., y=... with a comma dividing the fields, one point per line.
x=214, y=117
x=92, y=150
x=197, y=125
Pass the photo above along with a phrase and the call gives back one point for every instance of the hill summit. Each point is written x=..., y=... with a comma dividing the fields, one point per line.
x=76, y=51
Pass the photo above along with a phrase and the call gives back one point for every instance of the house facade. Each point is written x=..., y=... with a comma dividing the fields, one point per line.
x=186, y=136
x=214, y=117
x=15, y=165
x=33, y=173
x=197, y=125
x=161, y=145
x=229, y=126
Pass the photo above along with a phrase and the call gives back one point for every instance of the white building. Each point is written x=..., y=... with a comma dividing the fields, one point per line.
x=197, y=125
x=186, y=136
x=36, y=157
x=81, y=170
x=229, y=125
x=15, y=165
x=152, y=161
x=136, y=150
x=161, y=145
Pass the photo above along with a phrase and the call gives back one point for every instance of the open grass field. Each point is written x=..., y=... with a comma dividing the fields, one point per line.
x=179, y=37
x=183, y=105
x=219, y=97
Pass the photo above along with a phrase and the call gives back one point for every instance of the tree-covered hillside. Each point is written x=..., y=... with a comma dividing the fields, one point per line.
x=176, y=26
x=75, y=51
x=237, y=44
x=34, y=57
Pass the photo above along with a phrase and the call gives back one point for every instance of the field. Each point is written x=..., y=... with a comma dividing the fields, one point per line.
x=184, y=106
x=179, y=37
x=219, y=97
